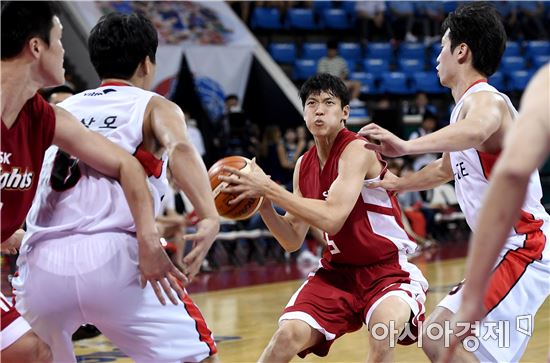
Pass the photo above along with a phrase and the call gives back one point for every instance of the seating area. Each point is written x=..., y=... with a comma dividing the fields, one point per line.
x=295, y=34
x=408, y=67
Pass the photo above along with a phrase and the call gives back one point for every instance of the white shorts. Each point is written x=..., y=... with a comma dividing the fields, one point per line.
x=95, y=279
x=516, y=291
x=13, y=325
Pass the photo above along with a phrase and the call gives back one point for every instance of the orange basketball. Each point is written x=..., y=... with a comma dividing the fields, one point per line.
x=245, y=208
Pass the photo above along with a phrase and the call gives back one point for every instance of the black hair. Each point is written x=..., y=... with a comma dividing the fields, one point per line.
x=231, y=96
x=23, y=20
x=478, y=24
x=118, y=43
x=324, y=82
x=332, y=44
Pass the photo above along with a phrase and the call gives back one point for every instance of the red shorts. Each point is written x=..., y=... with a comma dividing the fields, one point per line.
x=340, y=301
x=13, y=325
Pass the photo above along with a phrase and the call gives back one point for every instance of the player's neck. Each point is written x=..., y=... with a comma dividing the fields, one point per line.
x=18, y=86
x=465, y=82
x=116, y=81
x=324, y=145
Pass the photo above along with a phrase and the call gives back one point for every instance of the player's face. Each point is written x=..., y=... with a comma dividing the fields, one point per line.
x=51, y=61
x=444, y=60
x=324, y=115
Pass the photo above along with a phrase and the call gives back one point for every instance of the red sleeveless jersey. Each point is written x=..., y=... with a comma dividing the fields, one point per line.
x=373, y=232
x=21, y=154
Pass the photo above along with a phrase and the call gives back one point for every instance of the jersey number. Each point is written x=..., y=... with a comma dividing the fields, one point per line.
x=333, y=249
x=65, y=172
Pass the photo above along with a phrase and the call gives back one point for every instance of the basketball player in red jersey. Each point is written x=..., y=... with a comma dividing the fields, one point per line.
x=364, y=276
x=32, y=58
x=471, y=48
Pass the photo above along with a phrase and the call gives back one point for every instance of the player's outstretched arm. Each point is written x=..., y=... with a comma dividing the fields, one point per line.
x=113, y=161
x=190, y=175
x=435, y=173
x=483, y=113
x=526, y=146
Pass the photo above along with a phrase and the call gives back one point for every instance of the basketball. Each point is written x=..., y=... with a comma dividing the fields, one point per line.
x=245, y=208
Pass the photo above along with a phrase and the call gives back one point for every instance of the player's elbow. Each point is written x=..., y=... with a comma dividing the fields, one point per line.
x=478, y=137
x=181, y=146
x=332, y=225
x=291, y=245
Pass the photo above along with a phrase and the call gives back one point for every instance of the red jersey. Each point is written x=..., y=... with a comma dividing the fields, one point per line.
x=373, y=232
x=22, y=151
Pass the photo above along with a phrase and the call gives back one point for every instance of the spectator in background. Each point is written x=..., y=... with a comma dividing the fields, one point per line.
x=509, y=13
x=235, y=131
x=195, y=135
x=432, y=14
x=421, y=105
x=403, y=19
x=418, y=218
x=428, y=125
x=531, y=14
x=337, y=66
x=269, y=154
x=371, y=19
x=289, y=149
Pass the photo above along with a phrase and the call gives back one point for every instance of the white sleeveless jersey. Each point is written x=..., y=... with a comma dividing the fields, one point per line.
x=73, y=198
x=472, y=169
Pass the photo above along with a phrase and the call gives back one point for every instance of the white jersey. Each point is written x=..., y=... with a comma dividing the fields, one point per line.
x=472, y=169
x=73, y=198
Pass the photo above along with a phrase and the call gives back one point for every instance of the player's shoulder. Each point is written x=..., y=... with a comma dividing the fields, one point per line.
x=356, y=152
x=159, y=103
x=485, y=100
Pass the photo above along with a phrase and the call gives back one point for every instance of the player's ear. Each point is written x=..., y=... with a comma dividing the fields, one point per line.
x=34, y=46
x=345, y=113
x=462, y=52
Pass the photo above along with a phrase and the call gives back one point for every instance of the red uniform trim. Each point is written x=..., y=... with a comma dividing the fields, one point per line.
x=205, y=335
x=487, y=161
x=151, y=165
x=515, y=262
x=9, y=316
x=114, y=84
x=473, y=84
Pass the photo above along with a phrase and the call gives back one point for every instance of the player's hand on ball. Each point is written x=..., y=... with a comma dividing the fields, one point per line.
x=157, y=269
x=251, y=184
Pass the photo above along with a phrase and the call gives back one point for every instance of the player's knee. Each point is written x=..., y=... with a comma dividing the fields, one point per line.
x=284, y=338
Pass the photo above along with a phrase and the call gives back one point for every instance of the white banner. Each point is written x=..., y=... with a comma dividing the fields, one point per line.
x=219, y=71
x=207, y=29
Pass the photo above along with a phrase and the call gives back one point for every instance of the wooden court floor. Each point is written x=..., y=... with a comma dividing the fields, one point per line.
x=243, y=320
